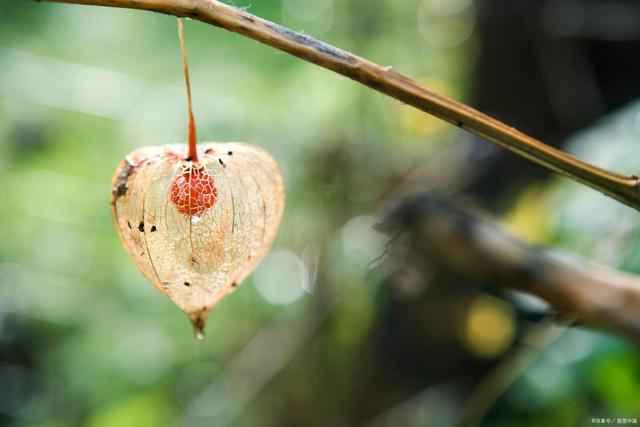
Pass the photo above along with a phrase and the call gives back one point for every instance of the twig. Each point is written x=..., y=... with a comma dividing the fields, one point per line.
x=191, y=123
x=620, y=187
x=475, y=247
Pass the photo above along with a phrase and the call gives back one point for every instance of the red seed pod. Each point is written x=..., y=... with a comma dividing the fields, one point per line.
x=193, y=191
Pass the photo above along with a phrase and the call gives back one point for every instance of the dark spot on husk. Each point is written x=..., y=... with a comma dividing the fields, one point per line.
x=120, y=188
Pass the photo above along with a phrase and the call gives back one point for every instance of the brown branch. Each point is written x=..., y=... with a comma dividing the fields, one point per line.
x=476, y=248
x=620, y=187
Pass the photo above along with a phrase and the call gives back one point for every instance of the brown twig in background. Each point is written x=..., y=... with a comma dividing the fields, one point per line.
x=620, y=187
x=450, y=236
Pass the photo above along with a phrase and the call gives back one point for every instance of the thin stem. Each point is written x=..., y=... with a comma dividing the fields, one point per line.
x=620, y=187
x=191, y=124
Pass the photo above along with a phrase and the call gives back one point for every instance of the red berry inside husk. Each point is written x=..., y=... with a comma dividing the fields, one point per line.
x=193, y=191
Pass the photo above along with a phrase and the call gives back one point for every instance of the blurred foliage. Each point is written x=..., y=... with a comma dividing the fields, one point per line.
x=85, y=341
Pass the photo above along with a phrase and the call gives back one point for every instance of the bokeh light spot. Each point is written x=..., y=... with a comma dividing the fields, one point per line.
x=281, y=278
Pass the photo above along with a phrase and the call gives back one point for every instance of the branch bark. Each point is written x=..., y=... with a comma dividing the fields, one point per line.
x=623, y=188
x=477, y=248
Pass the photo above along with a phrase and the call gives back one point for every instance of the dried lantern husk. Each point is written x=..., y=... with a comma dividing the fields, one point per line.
x=196, y=230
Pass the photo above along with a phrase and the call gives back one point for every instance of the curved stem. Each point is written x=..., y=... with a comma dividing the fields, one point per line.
x=191, y=124
x=621, y=187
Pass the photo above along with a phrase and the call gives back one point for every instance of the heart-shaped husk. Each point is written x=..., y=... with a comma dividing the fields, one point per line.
x=196, y=240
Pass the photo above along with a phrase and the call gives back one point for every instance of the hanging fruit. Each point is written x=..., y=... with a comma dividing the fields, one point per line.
x=197, y=219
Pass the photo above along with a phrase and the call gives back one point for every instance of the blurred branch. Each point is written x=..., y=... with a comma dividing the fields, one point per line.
x=476, y=248
x=382, y=79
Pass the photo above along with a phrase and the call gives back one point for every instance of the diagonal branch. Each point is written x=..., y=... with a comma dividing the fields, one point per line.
x=620, y=187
